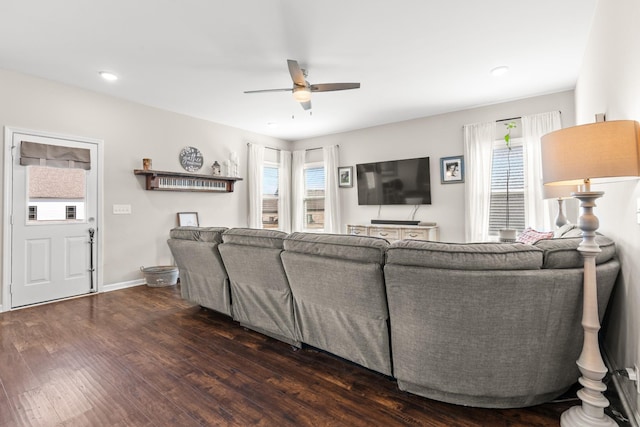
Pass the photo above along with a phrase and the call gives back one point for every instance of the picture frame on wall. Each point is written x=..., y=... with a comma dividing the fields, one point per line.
x=345, y=176
x=452, y=170
x=188, y=219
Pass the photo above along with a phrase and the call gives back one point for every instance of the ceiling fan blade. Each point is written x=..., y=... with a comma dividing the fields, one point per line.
x=327, y=87
x=268, y=90
x=306, y=105
x=296, y=73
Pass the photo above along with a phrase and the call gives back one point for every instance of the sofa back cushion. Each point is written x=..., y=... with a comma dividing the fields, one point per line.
x=253, y=237
x=465, y=256
x=340, y=246
x=563, y=252
x=198, y=234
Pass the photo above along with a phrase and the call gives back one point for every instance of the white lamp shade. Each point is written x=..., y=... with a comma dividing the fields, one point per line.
x=597, y=151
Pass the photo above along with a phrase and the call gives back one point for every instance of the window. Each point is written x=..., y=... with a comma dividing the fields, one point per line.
x=314, y=196
x=502, y=159
x=270, y=176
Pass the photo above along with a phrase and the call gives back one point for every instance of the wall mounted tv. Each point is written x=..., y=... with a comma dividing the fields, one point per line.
x=395, y=182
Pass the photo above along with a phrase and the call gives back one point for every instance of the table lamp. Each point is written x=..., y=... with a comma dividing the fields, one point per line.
x=560, y=193
x=580, y=155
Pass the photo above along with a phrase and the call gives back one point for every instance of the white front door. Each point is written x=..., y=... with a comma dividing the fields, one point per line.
x=53, y=226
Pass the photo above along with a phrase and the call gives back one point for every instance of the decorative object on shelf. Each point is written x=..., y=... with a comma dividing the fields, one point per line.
x=188, y=219
x=225, y=168
x=508, y=234
x=581, y=155
x=451, y=170
x=234, y=163
x=191, y=159
x=345, y=176
x=180, y=181
x=146, y=164
x=215, y=168
x=560, y=193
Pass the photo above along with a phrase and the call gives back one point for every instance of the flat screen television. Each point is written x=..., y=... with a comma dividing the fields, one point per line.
x=394, y=182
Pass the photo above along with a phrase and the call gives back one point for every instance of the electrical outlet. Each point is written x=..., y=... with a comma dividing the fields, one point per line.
x=122, y=209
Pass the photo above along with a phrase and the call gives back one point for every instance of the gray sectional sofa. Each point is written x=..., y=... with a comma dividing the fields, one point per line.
x=484, y=324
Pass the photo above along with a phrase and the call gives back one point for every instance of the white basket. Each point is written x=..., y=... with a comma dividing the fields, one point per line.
x=162, y=275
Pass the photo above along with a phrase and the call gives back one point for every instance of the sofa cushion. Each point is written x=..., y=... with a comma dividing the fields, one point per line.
x=530, y=236
x=199, y=234
x=563, y=252
x=465, y=256
x=255, y=237
x=341, y=246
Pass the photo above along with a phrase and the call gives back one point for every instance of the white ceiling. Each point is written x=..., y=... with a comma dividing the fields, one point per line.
x=413, y=58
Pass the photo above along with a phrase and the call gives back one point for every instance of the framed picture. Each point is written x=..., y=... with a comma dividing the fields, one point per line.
x=188, y=219
x=451, y=169
x=345, y=176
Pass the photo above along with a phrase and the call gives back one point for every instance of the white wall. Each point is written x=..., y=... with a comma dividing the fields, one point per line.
x=131, y=132
x=436, y=137
x=609, y=83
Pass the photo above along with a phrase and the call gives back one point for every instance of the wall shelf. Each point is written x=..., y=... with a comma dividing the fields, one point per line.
x=179, y=181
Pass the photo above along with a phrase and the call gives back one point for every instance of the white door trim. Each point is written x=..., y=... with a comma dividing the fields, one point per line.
x=8, y=206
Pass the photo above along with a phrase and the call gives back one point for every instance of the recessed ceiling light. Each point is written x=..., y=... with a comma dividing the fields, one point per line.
x=109, y=76
x=272, y=124
x=499, y=71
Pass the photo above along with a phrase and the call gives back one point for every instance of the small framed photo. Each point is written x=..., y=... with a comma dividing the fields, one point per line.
x=345, y=176
x=452, y=170
x=188, y=219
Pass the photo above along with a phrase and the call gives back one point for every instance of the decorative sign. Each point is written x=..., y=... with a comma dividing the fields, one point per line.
x=191, y=159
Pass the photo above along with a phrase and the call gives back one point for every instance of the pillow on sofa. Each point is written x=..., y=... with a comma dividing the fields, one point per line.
x=531, y=236
x=563, y=230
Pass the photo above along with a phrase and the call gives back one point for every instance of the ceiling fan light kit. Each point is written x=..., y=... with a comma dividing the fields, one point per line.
x=302, y=94
x=302, y=89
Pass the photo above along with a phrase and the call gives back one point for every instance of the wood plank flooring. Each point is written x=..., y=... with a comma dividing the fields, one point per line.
x=143, y=357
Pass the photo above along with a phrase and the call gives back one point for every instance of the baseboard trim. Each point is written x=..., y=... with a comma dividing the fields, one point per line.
x=634, y=417
x=122, y=285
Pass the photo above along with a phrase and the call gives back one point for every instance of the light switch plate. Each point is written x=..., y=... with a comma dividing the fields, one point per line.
x=122, y=209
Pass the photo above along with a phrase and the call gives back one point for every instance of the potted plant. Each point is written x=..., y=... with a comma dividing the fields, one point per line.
x=508, y=234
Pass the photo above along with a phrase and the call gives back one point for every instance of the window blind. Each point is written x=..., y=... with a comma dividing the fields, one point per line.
x=498, y=205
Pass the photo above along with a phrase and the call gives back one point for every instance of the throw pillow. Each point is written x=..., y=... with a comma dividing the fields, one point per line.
x=530, y=236
x=563, y=230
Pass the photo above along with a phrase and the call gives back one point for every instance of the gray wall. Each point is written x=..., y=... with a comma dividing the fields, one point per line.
x=436, y=137
x=609, y=83
x=130, y=132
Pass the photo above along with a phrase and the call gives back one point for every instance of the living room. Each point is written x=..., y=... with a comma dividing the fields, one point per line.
x=607, y=83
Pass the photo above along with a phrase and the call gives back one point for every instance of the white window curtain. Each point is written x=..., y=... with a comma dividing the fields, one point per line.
x=297, y=190
x=254, y=178
x=284, y=192
x=331, y=197
x=478, y=145
x=538, y=212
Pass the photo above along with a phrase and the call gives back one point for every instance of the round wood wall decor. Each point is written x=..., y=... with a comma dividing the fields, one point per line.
x=191, y=159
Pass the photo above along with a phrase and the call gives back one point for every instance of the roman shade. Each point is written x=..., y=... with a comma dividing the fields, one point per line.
x=32, y=153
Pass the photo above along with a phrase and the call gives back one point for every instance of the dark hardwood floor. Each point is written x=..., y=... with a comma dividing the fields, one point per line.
x=143, y=357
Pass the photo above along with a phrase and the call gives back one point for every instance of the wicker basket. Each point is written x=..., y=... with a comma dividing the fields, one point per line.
x=158, y=276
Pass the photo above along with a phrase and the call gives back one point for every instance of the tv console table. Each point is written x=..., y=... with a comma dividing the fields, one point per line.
x=396, y=232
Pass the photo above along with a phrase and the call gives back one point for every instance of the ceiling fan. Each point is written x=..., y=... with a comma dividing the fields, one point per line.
x=302, y=89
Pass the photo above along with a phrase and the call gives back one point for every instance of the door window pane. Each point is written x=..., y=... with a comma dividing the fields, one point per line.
x=56, y=194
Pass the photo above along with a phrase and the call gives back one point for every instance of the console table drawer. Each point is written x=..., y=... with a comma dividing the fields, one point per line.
x=415, y=234
x=385, y=233
x=357, y=230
